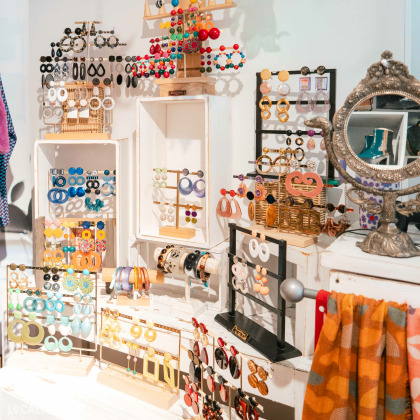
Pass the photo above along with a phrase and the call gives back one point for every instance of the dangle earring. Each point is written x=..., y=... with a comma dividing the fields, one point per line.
x=265, y=89
x=128, y=357
x=135, y=347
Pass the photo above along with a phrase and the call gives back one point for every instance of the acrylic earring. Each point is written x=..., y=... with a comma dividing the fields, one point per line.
x=149, y=357
x=168, y=370
x=136, y=329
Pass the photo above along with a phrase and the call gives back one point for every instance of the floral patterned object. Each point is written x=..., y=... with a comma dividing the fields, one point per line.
x=366, y=219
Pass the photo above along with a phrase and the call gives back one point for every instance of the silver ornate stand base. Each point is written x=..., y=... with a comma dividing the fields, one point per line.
x=389, y=241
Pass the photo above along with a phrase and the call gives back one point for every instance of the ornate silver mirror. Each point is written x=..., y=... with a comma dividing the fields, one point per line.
x=369, y=150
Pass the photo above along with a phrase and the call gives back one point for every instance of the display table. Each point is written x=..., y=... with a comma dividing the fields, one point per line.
x=344, y=255
x=42, y=396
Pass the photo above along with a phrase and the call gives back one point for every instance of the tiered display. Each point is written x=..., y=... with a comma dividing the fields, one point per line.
x=66, y=303
x=135, y=336
x=272, y=346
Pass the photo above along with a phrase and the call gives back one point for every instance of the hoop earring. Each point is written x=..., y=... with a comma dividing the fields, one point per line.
x=238, y=212
x=304, y=109
x=188, y=189
x=199, y=193
x=321, y=108
x=52, y=94
x=264, y=252
x=253, y=248
x=228, y=210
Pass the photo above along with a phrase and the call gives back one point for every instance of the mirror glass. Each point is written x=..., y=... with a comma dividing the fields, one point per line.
x=384, y=131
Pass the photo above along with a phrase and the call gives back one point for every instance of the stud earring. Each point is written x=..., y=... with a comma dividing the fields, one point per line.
x=150, y=334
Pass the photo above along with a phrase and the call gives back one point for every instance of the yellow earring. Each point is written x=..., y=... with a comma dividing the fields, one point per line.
x=150, y=334
x=32, y=341
x=150, y=357
x=168, y=370
x=135, y=330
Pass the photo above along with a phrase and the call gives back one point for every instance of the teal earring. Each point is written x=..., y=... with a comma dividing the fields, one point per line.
x=86, y=327
x=51, y=343
x=65, y=348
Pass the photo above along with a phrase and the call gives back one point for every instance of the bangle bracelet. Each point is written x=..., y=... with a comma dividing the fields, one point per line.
x=118, y=282
x=202, y=266
x=146, y=279
x=190, y=264
x=127, y=286
x=162, y=258
x=136, y=278
x=141, y=277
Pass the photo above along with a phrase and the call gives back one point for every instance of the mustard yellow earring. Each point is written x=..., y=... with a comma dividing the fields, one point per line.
x=32, y=341
x=150, y=357
x=10, y=334
x=150, y=334
x=168, y=370
x=135, y=330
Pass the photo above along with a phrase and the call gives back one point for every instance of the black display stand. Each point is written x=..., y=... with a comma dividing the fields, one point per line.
x=272, y=346
x=259, y=131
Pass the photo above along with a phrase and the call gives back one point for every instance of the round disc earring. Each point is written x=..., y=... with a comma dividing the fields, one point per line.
x=150, y=334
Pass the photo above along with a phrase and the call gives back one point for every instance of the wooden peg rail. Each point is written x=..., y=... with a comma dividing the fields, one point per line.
x=41, y=268
x=176, y=205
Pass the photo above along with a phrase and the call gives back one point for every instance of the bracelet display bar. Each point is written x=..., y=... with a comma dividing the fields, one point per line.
x=272, y=346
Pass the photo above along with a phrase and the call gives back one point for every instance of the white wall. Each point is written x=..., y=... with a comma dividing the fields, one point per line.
x=341, y=34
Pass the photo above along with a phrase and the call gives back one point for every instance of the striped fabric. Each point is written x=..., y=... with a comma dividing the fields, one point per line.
x=4, y=163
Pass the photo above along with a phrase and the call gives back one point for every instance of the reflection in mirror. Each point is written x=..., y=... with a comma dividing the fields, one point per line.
x=385, y=130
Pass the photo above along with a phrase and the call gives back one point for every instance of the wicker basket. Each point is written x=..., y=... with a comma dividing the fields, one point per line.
x=295, y=218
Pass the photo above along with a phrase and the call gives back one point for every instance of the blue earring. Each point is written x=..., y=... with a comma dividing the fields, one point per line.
x=86, y=327
x=76, y=325
x=185, y=190
x=80, y=192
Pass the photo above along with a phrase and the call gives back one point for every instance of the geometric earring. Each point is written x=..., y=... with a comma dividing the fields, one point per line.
x=168, y=370
x=150, y=357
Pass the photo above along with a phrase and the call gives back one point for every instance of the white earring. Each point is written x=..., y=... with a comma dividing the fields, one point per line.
x=62, y=94
x=108, y=99
x=264, y=252
x=52, y=94
x=244, y=287
x=253, y=248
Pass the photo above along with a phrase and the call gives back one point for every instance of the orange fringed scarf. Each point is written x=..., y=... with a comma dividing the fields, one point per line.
x=360, y=364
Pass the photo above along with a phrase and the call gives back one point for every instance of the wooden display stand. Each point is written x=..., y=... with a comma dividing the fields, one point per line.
x=176, y=231
x=145, y=390
x=181, y=86
x=301, y=240
x=77, y=136
x=124, y=300
x=66, y=364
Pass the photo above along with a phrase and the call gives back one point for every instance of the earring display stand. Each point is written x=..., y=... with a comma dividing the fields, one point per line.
x=75, y=364
x=188, y=306
x=158, y=393
x=260, y=132
x=177, y=231
x=272, y=346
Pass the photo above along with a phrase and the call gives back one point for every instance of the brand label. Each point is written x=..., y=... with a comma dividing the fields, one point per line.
x=240, y=333
x=177, y=92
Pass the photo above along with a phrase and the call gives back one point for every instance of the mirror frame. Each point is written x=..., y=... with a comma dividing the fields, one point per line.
x=386, y=77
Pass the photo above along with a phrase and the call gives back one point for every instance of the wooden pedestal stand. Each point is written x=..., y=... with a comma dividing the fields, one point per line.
x=177, y=231
x=51, y=362
x=158, y=393
x=189, y=80
x=123, y=299
x=145, y=389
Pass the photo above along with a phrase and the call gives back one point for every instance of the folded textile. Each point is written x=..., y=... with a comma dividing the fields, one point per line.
x=360, y=368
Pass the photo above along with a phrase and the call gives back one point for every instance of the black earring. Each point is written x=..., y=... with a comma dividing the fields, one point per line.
x=102, y=69
x=82, y=71
x=75, y=71
x=92, y=70
x=128, y=81
x=119, y=77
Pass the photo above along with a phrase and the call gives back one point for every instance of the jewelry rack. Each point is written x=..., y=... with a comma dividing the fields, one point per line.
x=226, y=383
x=96, y=121
x=52, y=207
x=259, y=131
x=272, y=346
x=31, y=359
x=157, y=393
x=176, y=231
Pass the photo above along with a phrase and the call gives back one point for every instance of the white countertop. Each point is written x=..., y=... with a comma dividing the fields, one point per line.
x=344, y=255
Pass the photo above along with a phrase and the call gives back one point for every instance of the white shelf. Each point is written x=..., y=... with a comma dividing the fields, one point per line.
x=364, y=122
x=190, y=132
x=88, y=154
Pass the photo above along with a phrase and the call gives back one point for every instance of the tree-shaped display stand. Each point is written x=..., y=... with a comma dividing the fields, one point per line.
x=189, y=80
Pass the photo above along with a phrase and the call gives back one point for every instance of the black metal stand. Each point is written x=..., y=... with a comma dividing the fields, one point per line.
x=259, y=131
x=272, y=346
